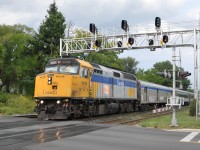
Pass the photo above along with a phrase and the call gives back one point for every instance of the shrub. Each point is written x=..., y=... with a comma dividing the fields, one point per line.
x=192, y=108
x=3, y=97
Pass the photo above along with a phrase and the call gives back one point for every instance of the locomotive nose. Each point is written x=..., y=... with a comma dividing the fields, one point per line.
x=52, y=85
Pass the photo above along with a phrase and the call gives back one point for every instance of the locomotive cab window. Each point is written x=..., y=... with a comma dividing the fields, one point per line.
x=63, y=66
x=51, y=68
x=72, y=69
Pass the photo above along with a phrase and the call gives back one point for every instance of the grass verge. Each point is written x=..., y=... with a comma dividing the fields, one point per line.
x=164, y=122
x=17, y=104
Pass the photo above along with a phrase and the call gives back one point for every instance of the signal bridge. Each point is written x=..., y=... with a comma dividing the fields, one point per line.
x=129, y=41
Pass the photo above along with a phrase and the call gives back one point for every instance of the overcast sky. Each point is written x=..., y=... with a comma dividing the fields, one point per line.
x=109, y=13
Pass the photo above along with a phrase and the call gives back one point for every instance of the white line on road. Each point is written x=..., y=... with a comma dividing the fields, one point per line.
x=189, y=137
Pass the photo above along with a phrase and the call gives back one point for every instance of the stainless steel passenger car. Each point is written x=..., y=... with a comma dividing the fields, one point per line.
x=152, y=94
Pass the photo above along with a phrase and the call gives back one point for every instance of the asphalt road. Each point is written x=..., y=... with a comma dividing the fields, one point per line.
x=32, y=134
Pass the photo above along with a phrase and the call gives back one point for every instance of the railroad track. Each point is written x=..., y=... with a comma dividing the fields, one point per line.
x=111, y=117
x=27, y=115
x=117, y=119
x=135, y=118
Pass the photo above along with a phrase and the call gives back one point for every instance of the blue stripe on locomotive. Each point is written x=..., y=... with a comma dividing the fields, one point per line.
x=114, y=81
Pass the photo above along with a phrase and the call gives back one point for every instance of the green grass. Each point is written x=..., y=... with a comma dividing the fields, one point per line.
x=17, y=104
x=164, y=122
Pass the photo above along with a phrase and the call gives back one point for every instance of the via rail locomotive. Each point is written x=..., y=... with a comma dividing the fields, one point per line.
x=72, y=88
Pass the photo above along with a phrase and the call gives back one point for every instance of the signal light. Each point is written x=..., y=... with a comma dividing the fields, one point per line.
x=151, y=42
x=157, y=22
x=124, y=25
x=119, y=43
x=98, y=43
x=49, y=80
x=131, y=41
x=165, y=39
x=183, y=74
x=92, y=28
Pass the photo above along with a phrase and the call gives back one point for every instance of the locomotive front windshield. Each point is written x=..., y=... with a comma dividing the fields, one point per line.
x=62, y=66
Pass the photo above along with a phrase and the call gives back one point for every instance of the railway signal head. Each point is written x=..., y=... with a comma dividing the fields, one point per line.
x=157, y=22
x=130, y=40
x=165, y=39
x=98, y=43
x=92, y=28
x=119, y=43
x=151, y=42
x=124, y=25
x=183, y=74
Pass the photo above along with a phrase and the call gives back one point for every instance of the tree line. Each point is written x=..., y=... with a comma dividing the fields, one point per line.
x=24, y=53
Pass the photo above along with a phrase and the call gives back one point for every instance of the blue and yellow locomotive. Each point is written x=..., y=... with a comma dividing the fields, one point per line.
x=72, y=88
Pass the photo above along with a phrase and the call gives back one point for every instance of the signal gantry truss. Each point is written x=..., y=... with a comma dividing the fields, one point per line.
x=148, y=40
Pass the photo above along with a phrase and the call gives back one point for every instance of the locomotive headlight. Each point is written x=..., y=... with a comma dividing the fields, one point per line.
x=41, y=102
x=58, y=102
x=50, y=80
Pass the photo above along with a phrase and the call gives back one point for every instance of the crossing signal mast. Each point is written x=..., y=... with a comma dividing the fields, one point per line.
x=130, y=38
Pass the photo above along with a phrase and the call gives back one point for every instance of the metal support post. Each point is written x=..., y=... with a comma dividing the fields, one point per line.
x=196, y=87
x=174, y=120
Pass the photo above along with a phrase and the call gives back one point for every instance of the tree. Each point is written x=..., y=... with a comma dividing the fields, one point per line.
x=50, y=32
x=150, y=76
x=106, y=58
x=129, y=64
x=160, y=67
x=17, y=61
x=46, y=43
